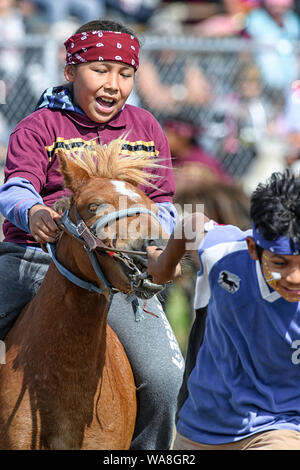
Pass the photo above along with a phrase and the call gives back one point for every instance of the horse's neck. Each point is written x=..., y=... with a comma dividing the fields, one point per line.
x=68, y=318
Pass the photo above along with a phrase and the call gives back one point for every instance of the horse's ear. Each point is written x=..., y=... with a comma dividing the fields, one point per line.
x=74, y=176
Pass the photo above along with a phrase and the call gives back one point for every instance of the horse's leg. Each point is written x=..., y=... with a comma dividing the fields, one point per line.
x=115, y=401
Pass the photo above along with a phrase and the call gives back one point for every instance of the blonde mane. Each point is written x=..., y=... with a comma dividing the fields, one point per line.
x=107, y=162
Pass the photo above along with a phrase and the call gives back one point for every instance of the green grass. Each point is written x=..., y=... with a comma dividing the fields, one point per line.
x=178, y=313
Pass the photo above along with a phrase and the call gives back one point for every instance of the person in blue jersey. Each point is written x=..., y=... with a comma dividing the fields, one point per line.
x=243, y=367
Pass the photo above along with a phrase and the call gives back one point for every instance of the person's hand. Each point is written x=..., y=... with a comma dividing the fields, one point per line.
x=42, y=223
x=198, y=87
x=158, y=268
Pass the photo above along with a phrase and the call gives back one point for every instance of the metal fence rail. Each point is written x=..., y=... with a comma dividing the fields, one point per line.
x=246, y=103
x=233, y=121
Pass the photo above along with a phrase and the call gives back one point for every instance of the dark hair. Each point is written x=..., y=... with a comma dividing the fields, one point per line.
x=275, y=207
x=105, y=25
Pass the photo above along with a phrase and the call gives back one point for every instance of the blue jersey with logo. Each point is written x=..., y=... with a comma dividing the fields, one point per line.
x=247, y=374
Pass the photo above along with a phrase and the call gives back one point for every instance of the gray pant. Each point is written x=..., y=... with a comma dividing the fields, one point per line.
x=150, y=343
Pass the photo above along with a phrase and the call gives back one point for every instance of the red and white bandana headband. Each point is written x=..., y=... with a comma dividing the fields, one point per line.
x=102, y=45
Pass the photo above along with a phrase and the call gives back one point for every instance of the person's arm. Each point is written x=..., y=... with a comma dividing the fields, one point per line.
x=26, y=170
x=17, y=196
x=156, y=94
x=167, y=215
x=163, y=266
x=21, y=204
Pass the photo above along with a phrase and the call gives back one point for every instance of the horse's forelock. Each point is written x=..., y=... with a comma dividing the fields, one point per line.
x=62, y=204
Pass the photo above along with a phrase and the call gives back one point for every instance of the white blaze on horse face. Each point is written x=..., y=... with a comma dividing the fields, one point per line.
x=124, y=191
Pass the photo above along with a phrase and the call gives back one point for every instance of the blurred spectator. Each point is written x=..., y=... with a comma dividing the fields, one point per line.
x=184, y=87
x=12, y=29
x=244, y=115
x=191, y=11
x=256, y=146
x=290, y=126
x=37, y=76
x=32, y=21
x=291, y=115
x=201, y=179
x=230, y=22
x=297, y=7
x=132, y=11
x=169, y=82
x=191, y=163
x=52, y=11
x=277, y=27
x=249, y=105
x=11, y=59
x=226, y=203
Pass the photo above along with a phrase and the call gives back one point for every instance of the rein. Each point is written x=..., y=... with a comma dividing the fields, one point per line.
x=91, y=243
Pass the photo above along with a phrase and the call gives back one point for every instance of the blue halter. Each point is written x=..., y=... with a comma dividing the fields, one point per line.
x=85, y=235
x=90, y=286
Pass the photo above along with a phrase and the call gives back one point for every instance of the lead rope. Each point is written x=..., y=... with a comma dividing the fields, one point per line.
x=138, y=310
x=148, y=311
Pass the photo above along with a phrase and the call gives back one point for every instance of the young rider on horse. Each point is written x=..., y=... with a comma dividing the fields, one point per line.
x=102, y=57
x=243, y=386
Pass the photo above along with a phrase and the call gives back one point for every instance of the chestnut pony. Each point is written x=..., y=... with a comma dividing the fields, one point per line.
x=67, y=382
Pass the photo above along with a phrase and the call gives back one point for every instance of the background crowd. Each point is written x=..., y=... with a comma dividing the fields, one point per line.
x=222, y=77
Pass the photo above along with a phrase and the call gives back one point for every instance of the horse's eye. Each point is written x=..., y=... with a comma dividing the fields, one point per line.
x=93, y=207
